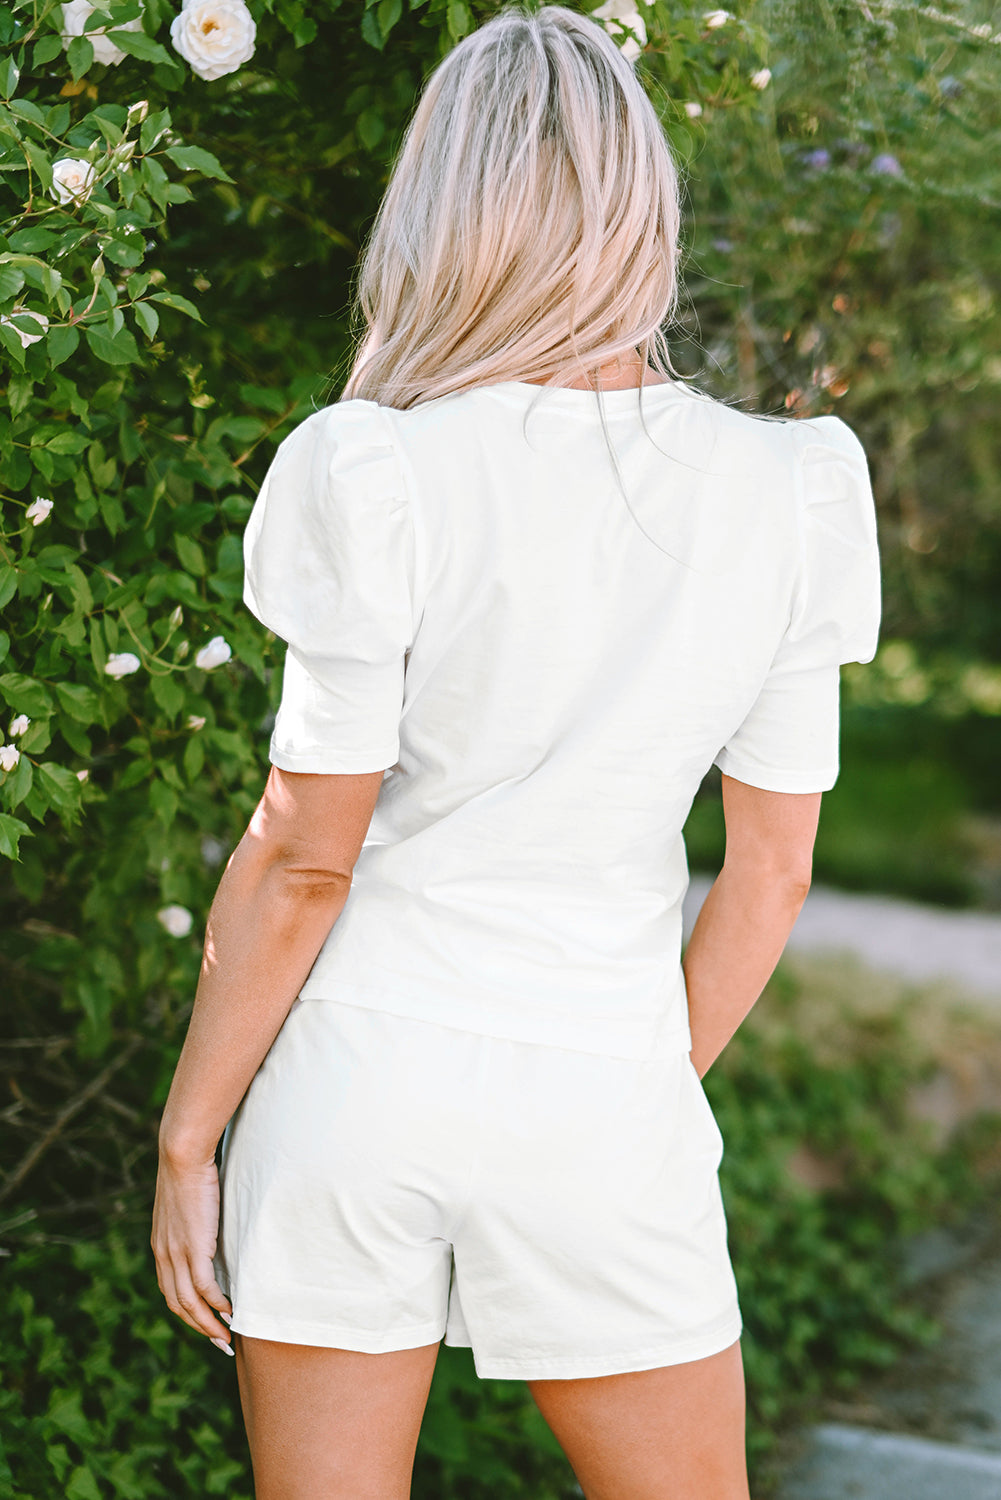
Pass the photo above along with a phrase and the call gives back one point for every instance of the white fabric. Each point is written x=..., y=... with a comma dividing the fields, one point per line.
x=388, y=1181
x=545, y=673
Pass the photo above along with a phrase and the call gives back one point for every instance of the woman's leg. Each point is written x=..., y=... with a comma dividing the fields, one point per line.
x=332, y=1424
x=674, y=1433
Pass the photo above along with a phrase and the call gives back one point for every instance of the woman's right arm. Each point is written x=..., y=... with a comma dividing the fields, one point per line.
x=750, y=910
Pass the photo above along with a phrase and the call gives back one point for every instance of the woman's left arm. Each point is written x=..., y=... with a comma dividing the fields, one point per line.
x=283, y=888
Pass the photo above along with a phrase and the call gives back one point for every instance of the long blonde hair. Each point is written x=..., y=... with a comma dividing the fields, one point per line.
x=530, y=227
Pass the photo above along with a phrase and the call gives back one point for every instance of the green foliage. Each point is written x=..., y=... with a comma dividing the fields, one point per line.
x=842, y=257
x=101, y=1397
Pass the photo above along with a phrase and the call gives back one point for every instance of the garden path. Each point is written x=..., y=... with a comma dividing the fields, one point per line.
x=901, y=937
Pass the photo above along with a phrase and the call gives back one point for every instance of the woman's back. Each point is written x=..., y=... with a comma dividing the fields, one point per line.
x=548, y=672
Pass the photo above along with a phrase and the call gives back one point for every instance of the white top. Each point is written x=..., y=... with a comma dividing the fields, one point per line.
x=546, y=674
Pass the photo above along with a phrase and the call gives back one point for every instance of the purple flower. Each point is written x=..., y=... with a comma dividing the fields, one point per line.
x=886, y=165
x=818, y=160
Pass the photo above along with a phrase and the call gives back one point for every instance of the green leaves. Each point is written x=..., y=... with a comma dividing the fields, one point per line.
x=179, y=303
x=62, y=343
x=118, y=348
x=195, y=159
x=138, y=44
x=147, y=317
x=12, y=830
x=9, y=76
x=80, y=56
x=25, y=695
x=11, y=279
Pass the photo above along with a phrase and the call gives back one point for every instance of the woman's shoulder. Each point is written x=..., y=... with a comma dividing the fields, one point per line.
x=339, y=423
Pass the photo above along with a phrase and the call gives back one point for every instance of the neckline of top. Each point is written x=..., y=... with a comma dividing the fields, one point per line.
x=578, y=397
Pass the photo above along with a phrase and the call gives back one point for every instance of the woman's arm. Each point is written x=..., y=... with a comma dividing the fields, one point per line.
x=750, y=910
x=283, y=888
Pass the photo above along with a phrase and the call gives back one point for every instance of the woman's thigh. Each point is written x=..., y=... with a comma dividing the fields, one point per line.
x=676, y=1431
x=332, y=1424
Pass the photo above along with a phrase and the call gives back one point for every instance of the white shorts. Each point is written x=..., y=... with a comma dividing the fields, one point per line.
x=387, y=1182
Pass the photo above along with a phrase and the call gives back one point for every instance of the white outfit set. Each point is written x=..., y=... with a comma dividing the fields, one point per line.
x=480, y=1120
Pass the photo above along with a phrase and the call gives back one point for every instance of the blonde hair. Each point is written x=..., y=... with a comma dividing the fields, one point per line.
x=530, y=227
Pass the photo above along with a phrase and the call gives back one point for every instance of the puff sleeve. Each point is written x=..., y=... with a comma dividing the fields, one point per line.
x=789, y=740
x=328, y=566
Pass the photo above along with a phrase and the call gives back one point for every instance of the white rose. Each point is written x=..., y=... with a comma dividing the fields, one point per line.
x=121, y=663
x=196, y=721
x=176, y=919
x=714, y=18
x=19, y=725
x=214, y=654
x=82, y=775
x=176, y=617
x=75, y=16
x=26, y=339
x=693, y=110
x=39, y=508
x=214, y=36
x=9, y=757
x=761, y=79
x=623, y=11
x=73, y=179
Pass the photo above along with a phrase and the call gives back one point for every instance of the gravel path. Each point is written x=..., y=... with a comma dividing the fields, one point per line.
x=902, y=937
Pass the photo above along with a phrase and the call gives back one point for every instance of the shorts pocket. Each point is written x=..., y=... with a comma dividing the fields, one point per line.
x=703, y=1111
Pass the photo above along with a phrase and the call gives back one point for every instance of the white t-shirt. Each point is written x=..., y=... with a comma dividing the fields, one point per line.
x=546, y=673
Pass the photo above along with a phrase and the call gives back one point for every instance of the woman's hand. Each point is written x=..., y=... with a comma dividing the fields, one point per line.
x=185, y=1230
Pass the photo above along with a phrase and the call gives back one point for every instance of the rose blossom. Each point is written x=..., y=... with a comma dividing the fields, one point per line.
x=214, y=654
x=38, y=510
x=761, y=79
x=122, y=663
x=693, y=110
x=19, y=725
x=9, y=757
x=73, y=179
x=714, y=18
x=75, y=16
x=214, y=36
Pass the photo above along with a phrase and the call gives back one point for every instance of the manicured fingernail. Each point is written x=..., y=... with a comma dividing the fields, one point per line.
x=226, y=1318
x=222, y=1344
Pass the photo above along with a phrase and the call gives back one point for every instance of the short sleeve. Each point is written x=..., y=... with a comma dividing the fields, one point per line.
x=328, y=566
x=789, y=740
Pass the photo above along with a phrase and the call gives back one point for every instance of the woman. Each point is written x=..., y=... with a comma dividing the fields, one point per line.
x=532, y=588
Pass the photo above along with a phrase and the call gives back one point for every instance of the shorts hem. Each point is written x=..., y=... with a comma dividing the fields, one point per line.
x=358, y=1340
x=572, y=1367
